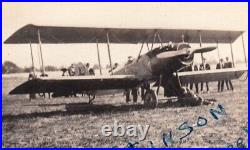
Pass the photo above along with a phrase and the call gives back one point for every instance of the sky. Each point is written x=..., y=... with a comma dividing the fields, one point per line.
x=219, y=16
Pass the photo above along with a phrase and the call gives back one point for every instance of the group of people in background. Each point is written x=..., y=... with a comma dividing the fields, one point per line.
x=222, y=65
x=203, y=66
x=206, y=66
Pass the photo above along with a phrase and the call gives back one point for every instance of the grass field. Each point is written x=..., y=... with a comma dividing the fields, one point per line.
x=70, y=122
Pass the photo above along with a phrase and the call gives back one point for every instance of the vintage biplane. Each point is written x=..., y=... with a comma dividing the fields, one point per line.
x=160, y=65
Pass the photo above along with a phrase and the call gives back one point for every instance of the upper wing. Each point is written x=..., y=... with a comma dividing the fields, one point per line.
x=57, y=34
x=211, y=75
x=76, y=84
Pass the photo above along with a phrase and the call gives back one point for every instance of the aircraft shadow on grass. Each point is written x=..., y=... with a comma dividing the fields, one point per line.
x=85, y=108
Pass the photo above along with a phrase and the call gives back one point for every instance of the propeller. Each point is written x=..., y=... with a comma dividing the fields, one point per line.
x=204, y=49
x=185, y=51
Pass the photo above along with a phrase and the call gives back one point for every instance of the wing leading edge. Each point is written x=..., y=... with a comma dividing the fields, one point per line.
x=211, y=75
x=57, y=34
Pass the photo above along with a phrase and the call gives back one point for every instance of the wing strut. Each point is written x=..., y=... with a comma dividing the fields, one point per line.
x=218, y=51
x=159, y=38
x=232, y=55
x=147, y=46
x=110, y=61
x=183, y=38
x=152, y=46
x=140, y=50
x=98, y=56
x=201, y=46
x=40, y=47
x=32, y=60
x=243, y=45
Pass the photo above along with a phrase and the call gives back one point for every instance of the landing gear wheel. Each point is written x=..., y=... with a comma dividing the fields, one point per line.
x=91, y=96
x=150, y=98
x=41, y=95
x=91, y=99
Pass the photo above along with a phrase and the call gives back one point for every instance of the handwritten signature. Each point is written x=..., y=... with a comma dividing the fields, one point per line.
x=168, y=140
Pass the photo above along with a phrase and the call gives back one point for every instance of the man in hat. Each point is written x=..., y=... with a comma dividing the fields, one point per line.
x=114, y=67
x=86, y=69
x=130, y=60
x=204, y=66
x=72, y=70
x=220, y=65
x=195, y=84
x=31, y=77
x=228, y=64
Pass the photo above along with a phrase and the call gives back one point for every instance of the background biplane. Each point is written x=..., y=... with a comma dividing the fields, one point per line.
x=160, y=65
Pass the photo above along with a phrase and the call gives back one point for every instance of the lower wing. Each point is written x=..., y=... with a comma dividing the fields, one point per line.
x=211, y=75
x=76, y=84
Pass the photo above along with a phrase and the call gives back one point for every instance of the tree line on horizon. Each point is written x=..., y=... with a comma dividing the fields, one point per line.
x=9, y=67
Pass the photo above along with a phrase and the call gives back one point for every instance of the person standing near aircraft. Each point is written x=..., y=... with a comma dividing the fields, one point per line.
x=220, y=65
x=115, y=66
x=204, y=66
x=86, y=72
x=170, y=44
x=72, y=70
x=196, y=84
x=190, y=68
x=130, y=60
x=145, y=86
x=228, y=64
x=64, y=71
x=91, y=71
x=31, y=77
x=127, y=92
x=81, y=68
x=133, y=91
x=185, y=69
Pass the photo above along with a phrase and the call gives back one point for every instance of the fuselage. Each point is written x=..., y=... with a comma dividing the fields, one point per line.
x=149, y=67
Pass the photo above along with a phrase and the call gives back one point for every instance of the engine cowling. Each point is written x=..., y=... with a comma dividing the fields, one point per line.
x=185, y=60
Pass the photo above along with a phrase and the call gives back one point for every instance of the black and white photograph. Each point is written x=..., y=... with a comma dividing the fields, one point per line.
x=125, y=74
